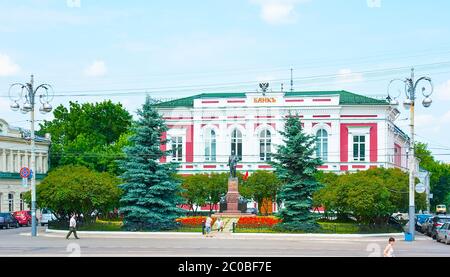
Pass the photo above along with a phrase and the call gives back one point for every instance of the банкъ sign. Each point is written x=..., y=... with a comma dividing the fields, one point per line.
x=259, y=100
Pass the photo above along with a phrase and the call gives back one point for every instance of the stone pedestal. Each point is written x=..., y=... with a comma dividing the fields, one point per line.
x=232, y=196
x=232, y=199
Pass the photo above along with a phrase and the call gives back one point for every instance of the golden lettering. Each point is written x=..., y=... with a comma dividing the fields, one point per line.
x=259, y=100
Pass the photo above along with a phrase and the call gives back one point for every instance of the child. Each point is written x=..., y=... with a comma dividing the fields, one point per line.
x=389, y=250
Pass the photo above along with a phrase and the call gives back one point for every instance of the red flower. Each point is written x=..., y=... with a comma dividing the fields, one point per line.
x=257, y=222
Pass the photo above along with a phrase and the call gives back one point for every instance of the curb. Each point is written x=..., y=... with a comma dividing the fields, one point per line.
x=311, y=235
x=236, y=235
x=122, y=233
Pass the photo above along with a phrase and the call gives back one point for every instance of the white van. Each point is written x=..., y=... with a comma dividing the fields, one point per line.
x=46, y=216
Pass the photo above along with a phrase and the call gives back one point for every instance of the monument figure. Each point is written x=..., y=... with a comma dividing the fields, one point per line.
x=232, y=163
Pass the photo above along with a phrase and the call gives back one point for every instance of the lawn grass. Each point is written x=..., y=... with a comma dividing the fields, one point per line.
x=327, y=228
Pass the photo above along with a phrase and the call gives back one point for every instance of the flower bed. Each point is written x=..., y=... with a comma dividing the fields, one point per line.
x=257, y=222
x=193, y=221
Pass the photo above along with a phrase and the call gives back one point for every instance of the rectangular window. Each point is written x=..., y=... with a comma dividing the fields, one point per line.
x=10, y=202
x=359, y=148
x=177, y=149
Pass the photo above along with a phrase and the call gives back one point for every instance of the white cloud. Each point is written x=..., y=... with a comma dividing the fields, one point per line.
x=443, y=91
x=7, y=66
x=347, y=76
x=279, y=11
x=96, y=69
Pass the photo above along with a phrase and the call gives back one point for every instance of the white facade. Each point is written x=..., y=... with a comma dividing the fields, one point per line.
x=15, y=153
x=354, y=132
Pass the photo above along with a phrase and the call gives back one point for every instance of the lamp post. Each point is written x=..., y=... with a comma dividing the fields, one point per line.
x=24, y=100
x=410, y=87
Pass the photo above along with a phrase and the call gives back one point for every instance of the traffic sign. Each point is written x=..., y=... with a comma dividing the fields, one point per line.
x=25, y=172
x=420, y=188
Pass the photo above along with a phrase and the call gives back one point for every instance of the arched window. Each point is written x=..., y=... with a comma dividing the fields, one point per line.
x=210, y=145
x=236, y=143
x=265, y=142
x=322, y=144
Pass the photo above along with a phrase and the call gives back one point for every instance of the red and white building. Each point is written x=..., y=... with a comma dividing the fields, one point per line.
x=354, y=132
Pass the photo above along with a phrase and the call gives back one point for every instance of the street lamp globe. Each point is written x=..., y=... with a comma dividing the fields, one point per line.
x=47, y=107
x=27, y=107
x=427, y=102
x=407, y=104
x=41, y=110
x=15, y=106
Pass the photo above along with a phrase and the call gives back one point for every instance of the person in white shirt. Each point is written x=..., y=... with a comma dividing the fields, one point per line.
x=219, y=225
x=72, y=227
x=208, y=225
x=389, y=250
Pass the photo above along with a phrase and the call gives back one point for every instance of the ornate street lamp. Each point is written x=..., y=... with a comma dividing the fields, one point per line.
x=410, y=87
x=23, y=98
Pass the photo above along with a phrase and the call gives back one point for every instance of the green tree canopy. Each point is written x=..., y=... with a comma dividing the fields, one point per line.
x=440, y=175
x=263, y=185
x=370, y=196
x=70, y=189
x=88, y=134
x=194, y=190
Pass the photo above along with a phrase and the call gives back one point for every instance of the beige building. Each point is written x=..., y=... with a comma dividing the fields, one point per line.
x=15, y=153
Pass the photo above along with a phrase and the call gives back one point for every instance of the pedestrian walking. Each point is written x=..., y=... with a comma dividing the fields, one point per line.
x=389, y=250
x=72, y=227
x=219, y=225
x=208, y=225
x=203, y=227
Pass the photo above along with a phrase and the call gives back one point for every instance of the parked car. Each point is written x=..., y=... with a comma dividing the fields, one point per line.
x=441, y=209
x=7, y=221
x=438, y=221
x=400, y=216
x=23, y=217
x=420, y=220
x=46, y=216
x=443, y=233
x=426, y=225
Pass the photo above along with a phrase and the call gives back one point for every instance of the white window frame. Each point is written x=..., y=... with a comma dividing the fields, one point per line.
x=359, y=131
x=210, y=145
x=320, y=142
x=178, y=143
x=359, y=143
x=235, y=141
x=264, y=154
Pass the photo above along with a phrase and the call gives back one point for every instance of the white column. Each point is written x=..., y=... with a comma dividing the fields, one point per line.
x=38, y=162
x=11, y=161
x=3, y=162
x=18, y=161
x=45, y=164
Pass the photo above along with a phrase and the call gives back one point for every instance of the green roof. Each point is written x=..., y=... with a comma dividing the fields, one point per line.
x=345, y=98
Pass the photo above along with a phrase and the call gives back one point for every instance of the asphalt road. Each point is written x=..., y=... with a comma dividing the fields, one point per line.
x=17, y=242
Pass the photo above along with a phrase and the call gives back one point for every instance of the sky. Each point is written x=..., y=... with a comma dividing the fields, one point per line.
x=124, y=50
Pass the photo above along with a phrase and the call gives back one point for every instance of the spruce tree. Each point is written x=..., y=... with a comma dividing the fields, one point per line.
x=295, y=166
x=150, y=191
